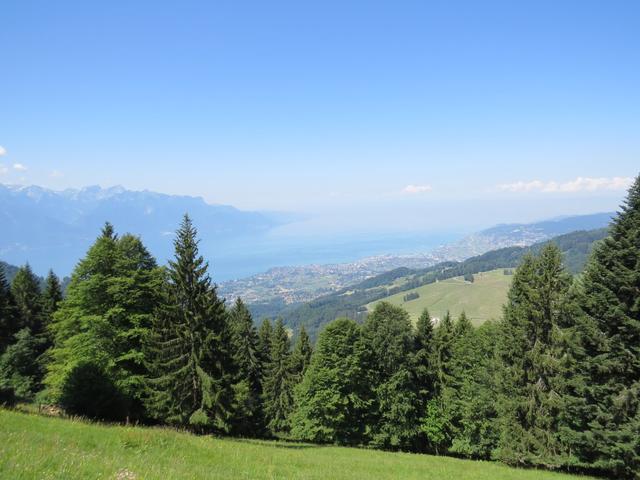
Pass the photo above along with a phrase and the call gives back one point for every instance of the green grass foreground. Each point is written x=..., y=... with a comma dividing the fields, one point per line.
x=36, y=447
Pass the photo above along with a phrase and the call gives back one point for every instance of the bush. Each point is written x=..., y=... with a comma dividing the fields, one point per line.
x=7, y=396
x=89, y=392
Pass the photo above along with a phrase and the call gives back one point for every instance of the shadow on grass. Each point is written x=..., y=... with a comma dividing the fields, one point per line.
x=286, y=444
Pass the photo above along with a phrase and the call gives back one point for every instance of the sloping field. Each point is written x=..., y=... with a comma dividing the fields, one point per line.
x=35, y=447
x=482, y=300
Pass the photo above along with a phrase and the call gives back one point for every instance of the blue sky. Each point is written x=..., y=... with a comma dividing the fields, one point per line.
x=396, y=115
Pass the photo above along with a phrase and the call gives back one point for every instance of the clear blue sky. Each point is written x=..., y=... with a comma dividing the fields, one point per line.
x=397, y=113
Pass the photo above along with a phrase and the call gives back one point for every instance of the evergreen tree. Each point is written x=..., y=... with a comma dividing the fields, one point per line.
x=389, y=339
x=278, y=382
x=25, y=288
x=248, y=415
x=51, y=298
x=301, y=355
x=469, y=398
x=436, y=422
x=8, y=313
x=424, y=345
x=264, y=342
x=20, y=369
x=104, y=318
x=603, y=409
x=187, y=354
x=332, y=400
x=530, y=366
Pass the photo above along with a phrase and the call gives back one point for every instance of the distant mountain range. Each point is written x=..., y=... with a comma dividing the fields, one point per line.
x=53, y=229
x=278, y=287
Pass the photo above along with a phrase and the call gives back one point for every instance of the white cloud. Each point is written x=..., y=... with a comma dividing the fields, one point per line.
x=56, y=174
x=580, y=184
x=3, y=170
x=3, y=151
x=415, y=189
x=19, y=167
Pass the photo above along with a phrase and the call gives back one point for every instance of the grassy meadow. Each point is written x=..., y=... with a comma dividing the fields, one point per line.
x=38, y=447
x=482, y=300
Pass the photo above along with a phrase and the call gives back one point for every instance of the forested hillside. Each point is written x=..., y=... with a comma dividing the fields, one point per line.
x=552, y=384
x=351, y=301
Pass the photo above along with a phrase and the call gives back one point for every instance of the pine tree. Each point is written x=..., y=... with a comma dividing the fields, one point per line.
x=603, y=423
x=8, y=313
x=278, y=382
x=529, y=395
x=25, y=288
x=248, y=416
x=301, y=355
x=187, y=354
x=389, y=339
x=332, y=400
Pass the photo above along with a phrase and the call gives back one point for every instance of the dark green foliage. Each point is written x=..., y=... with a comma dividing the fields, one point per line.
x=187, y=351
x=89, y=392
x=8, y=313
x=106, y=315
x=248, y=418
x=411, y=296
x=469, y=398
x=301, y=355
x=279, y=382
x=529, y=393
x=468, y=277
x=20, y=368
x=264, y=341
x=604, y=424
x=332, y=400
x=389, y=340
x=25, y=288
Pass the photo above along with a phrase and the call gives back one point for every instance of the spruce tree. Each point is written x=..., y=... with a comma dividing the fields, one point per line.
x=332, y=400
x=278, y=382
x=188, y=357
x=423, y=369
x=8, y=313
x=264, y=341
x=301, y=355
x=51, y=298
x=389, y=339
x=248, y=416
x=528, y=401
x=25, y=288
x=603, y=426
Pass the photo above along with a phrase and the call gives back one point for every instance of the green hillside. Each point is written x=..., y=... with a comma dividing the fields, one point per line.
x=481, y=299
x=352, y=301
x=35, y=447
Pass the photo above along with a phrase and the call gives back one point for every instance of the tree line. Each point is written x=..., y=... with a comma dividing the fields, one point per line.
x=555, y=383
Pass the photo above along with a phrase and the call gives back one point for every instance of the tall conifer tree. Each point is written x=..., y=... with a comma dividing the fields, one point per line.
x=25, y=288
x=530, y=365
x=188, y=357
x=248, y=416
x=278, y=383
x=301, y=355
x=8, y=313
x=603, y=425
